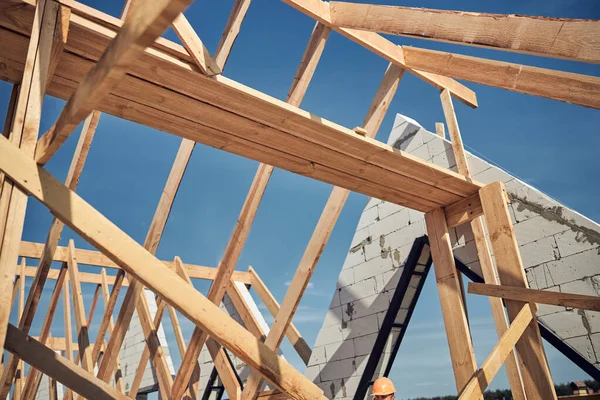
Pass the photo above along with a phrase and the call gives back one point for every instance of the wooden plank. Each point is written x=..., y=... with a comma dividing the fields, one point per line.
x=64, y=371
x=109, y=304
x=24, y=134
x=33, y=378
x=245, y=102
x=571, y=300
x=95, y=258
x=316, y=245
x=20, y=367
x=195, y=47
x=236, y=243
x=83, y=340
x=534, y=368
x=68, y=353
x=241, y=306
x=439, y=129
x=292, y=333
x=571, y=39
x=455, y=139
x=61, y=32
x=308, y=63
x=463, y=211
x=8, y=122
x=85, y=277
x=548, y=83
x=122, y=249
x=455, y=321
x=94, y=302
x=232, y=29
x=139, y=31
x=490, y=367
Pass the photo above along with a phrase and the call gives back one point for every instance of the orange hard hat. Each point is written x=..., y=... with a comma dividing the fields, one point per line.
x=383, y=386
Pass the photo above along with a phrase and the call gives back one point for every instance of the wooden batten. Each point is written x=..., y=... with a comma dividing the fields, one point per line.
x=232, y=29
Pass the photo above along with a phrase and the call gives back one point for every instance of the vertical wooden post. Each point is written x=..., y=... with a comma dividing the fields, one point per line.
x=439, y=129
x=20, y=367
x=68, y=334
x=534, y=367
x=24, y=134
x=483, y=251
x=109, y=305
x=455, y=321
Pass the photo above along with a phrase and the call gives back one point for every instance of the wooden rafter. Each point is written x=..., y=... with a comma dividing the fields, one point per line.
x=68, y=352
x=232, y=29
x=329, y=216
x=572, y=300
x=572, y=39
x=109, y=304
x=194, y=46
x=583, y=90
x=319, y=10
x=139, y=31
x=122, y=249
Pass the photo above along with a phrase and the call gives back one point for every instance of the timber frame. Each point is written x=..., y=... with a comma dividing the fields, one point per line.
x=68, y=50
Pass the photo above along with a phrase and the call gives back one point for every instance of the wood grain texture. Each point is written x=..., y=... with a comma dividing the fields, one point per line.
x=571, y=39
x=569, y=87
x=232, y=29
x=194, y=46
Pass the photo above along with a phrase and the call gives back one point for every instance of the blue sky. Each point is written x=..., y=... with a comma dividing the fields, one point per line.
x=551, y=145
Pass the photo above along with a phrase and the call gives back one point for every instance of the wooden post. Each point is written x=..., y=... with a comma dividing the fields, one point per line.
x=8, y=122
x=534, y=368
x=439, y=129
x=33, y=378
x=483, y=251
x=24, y=135
x=20, y=366
x=232, y=29
x=320, y=236
x=68, y=354
x=108, y=310
x=455, y=321
x=194, y=46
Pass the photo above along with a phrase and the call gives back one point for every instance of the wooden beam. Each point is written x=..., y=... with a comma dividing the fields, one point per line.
x=122, y=249
x=548, y=83
x=439, y=129
x=534, y=367
x=83, y=340
x=455, y=321
x=109, y=304
x=61, y=32
x=8, y=122
x=473, y=213
x=96, y=258
x=571, y=39
x=33, y=377
x=194, y=46
x=139, y=31
x=232, y=29
x=239, y=300
x=571, y=300
x=20, y=367
x=236, y=243
x=379, y=45
x=490, y=367
x=242, y=119
x=64, y=371
x=316, y=245
x=292, y=333
x=24, y=133
x=68, y=353
x=463, y=211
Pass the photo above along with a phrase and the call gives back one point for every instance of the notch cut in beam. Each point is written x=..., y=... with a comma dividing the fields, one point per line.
x=570, y=39
x=572, y=300
x=583, y=90
x=463, y=211
x=139, y=31
x=122, y=249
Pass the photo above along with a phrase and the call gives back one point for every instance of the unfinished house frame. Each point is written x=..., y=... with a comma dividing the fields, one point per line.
x=101, y=64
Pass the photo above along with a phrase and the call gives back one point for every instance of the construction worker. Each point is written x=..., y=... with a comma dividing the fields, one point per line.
x=383, y=389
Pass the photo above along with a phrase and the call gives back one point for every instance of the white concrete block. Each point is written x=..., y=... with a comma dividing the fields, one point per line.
x=328, y=335
x=360, y=327
x=583, y=286
x=406, y=235
x=540, y=277
x=359, y=290
x=584, y=346
x=318, y=355
x=386, y=209
x=360, y=236
x=368, y=217
x=477, y=165
x=333, y=317
x=570, y=242
x=540, y=251
x=492, y=175
x=466, y=253
x=388, y=280
x=437, y=146
x=576, y=266
x=337, y=370
x=313, y=373
x=346, y=278
x=355, y=257
x=595, y=339
x=368, y=305
x=537, y=228
x=372, y=267
x=565, y=323
x=464, y=234
x=422, y=152
x=389, y=224
x=363, y=345
x=339, y=351
x=445, y=160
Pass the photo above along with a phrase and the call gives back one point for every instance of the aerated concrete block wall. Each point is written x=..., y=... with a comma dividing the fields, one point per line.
x=560, y=250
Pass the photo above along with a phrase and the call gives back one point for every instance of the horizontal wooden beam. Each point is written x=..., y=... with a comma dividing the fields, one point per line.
x=379, y=45
x=96, y=258
x=571, y=39
x=463, y=211
x=225, y=114
x=580, y=301
x=583, y=90
x=88, y=223
x=64, y=371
